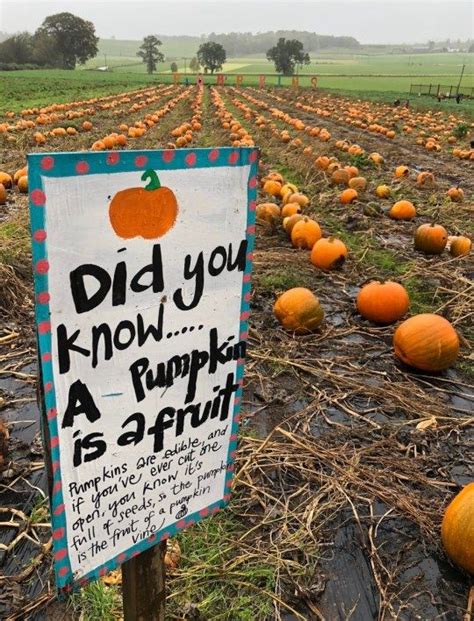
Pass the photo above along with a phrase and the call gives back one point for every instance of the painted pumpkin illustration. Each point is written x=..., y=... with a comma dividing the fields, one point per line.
x=148, y=212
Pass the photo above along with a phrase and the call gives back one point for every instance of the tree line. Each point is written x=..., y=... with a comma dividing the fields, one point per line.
x=62, y=41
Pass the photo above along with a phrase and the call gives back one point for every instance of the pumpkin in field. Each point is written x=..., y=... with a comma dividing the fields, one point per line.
x=382, y=191
x=289, y=223
x=322, y=162
x=425, y=178
x=21, y=172
x=383, y=302
x=6, y=180
x=298, y=310
x=147, y=212
x=427, y=342
x=3, y=194
x=298, y=197
x=305, y=233
x=340, y=177
x=39, y=138
x=348, y=196
x=87, y=126
x=455, y=194
x=402, y=210
x=328, y=253
x=460, y=246
x=290, y=209
x=269, y=212
x=457, y=529
x=402, y=171
x=431, y=238
x=358, y=183
x=23, y=184
x=272, y=187
x=376, y=158
x=288, y=187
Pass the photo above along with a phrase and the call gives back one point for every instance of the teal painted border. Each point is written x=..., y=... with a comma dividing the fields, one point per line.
x=87, y=163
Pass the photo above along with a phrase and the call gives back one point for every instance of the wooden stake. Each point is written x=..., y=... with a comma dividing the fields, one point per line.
x=143, y=585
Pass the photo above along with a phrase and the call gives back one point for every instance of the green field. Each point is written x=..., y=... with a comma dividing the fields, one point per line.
x=357, y=73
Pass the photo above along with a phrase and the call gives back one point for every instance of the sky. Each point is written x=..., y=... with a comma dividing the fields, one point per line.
x=374, y=21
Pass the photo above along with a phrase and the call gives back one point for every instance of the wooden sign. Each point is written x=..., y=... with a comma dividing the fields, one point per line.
x=142, y=264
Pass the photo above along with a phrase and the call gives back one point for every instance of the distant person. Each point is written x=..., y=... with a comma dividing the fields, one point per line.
x=458, y=98
x=439, y=97
x=407, y=103
x=186, y=81
x=396, y=103
x=199, y=80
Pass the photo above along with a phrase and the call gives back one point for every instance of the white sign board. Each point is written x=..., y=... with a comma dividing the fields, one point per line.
x=142, y=267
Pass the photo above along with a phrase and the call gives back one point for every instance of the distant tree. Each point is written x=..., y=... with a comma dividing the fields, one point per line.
x=45, y=51
x=471, y=48
x=194, y=65
x=74, y=38
x=174, y=67
x=286, y=54
x=17, y=49
x=431, y=45
x=211, y=56
x=150, y=54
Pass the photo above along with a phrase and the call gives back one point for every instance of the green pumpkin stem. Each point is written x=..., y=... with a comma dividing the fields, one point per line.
x=154, y=183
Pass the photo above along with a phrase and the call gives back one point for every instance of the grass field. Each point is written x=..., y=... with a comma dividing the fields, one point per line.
x=379, y=75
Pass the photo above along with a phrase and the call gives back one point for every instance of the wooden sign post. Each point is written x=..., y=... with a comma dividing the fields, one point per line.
x=142, y=264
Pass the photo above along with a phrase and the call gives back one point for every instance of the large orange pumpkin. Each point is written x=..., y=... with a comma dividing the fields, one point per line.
x=427, y=342
x=460, y=246
x=3, y=194
x=358, y=183
x=457, y=529
x=340, y=177
x=298, y=197
x=290, y=209
x=425, y=178
x=402, y=210
x=431, y=238
x=383, y=302
x=328, y=253
x=402, y=171
x=147, y=212
x=305, y=233
x=298, y=310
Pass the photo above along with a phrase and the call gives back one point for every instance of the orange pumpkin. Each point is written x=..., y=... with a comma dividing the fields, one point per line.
x=321, y=162
x=272, y=187
x=340, y=177
x=382, y=191
x=427, y=342
x=358, y=183
x=298, y=197
x=328, y=253
x=457, y=529
x=21, y=172
x=3, y=194
x=425, y=178
x=402, y=210
x=290, y=209
x=383, y=302
x=347, y=196
x=460, y=246
x=376, y=158
x=269, y=212
x=23, y=184
x=288, y=187
x=456, y=194
x=402, y=171
x=431, y=238
x=6, y=180
x=147, y=212
x=298, y=310
x=87, y=126
x=305, y=233
x=289, y=223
